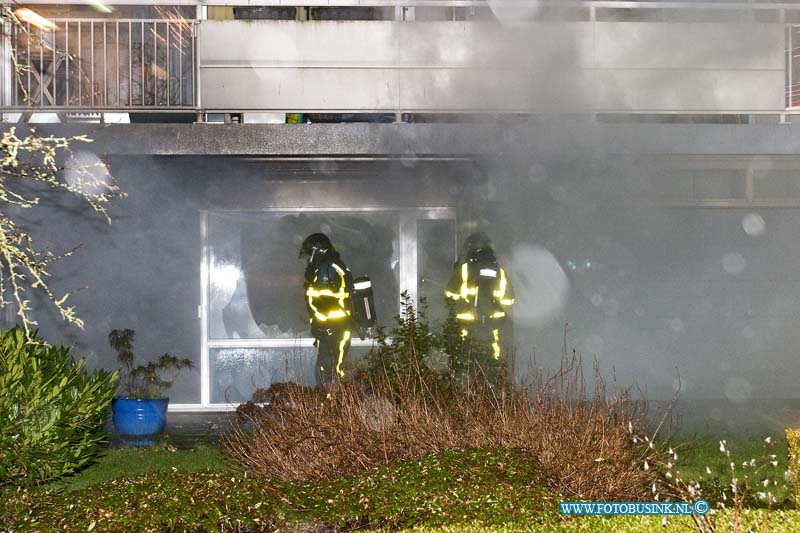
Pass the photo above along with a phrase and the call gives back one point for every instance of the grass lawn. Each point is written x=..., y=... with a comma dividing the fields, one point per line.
x=488, y=490
x=757, y=521
x=114, y=463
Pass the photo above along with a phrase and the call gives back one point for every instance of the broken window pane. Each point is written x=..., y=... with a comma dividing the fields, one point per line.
x=256, y=279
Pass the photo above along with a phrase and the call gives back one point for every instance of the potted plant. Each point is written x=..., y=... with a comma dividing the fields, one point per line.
x=141, y=415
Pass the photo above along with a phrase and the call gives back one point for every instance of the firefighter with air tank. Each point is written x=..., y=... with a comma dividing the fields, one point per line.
x=337, y=305
x=481, y=295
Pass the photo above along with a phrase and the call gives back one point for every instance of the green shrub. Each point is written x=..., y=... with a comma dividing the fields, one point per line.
x=413, y=357
x=410, y=357
x=51, y=410
x=144, y=382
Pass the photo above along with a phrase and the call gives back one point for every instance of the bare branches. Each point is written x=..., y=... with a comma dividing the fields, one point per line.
x=581, y=441
x=29, y=164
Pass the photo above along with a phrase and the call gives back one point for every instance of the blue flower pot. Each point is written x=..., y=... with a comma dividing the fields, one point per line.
x=139, y=422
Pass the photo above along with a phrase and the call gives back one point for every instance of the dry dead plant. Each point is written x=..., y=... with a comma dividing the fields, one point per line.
x=582, y=442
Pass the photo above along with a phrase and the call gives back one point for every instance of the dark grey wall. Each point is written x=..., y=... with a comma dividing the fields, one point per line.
x=140, y=272
x=143, y=270
x=665, y=287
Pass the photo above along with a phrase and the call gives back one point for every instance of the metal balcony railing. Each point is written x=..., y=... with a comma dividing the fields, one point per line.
x=101, y=64
x=95, y=65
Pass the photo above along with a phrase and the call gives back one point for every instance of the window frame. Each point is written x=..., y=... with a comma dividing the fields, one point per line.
x=408, y=218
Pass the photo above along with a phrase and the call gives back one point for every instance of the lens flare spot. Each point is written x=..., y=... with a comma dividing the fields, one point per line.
x=738, y=390
x=594, y=344
x=753, y=224
x=86, y=172
x=540, y=284
x=734, y=264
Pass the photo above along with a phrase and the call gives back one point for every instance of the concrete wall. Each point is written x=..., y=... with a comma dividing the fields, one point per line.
x=648, y=288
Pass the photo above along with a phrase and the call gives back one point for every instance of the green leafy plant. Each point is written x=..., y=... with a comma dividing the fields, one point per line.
x=414, y=356
x=51, y=409
x=144, y=381
x=410, y=357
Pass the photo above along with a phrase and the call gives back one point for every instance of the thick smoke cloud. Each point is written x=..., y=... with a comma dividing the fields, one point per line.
x=585, y=232
x=652, y=291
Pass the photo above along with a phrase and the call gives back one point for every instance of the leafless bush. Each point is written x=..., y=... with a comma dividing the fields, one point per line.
x=584, y=443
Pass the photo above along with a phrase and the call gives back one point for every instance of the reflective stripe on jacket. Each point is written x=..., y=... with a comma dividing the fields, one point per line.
x=328, y=294
x=479, y=291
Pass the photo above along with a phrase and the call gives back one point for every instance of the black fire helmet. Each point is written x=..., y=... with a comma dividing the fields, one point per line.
x=478, y=244
x=316, y=243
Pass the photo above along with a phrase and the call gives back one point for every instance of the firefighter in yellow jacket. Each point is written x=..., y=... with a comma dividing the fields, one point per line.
x=482, y=296
x=328, y=287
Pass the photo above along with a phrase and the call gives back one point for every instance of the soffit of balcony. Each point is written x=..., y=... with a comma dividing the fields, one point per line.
x=539, y=138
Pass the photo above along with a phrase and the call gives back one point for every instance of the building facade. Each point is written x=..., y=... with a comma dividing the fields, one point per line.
x=635, y=163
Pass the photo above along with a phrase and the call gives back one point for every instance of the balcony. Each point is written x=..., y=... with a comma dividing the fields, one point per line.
x=630, y=58
x=86, y=65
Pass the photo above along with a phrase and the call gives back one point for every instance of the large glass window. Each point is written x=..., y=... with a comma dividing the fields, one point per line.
x=436, y=254
x=256, y=278
x=256, y=325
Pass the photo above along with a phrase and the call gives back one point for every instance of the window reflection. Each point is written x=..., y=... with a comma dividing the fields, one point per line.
x=256, y=279
x=436, y=253
x=237, y=372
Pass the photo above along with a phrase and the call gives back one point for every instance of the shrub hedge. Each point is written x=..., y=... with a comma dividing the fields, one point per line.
x=51, y=409
x=398, y=408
